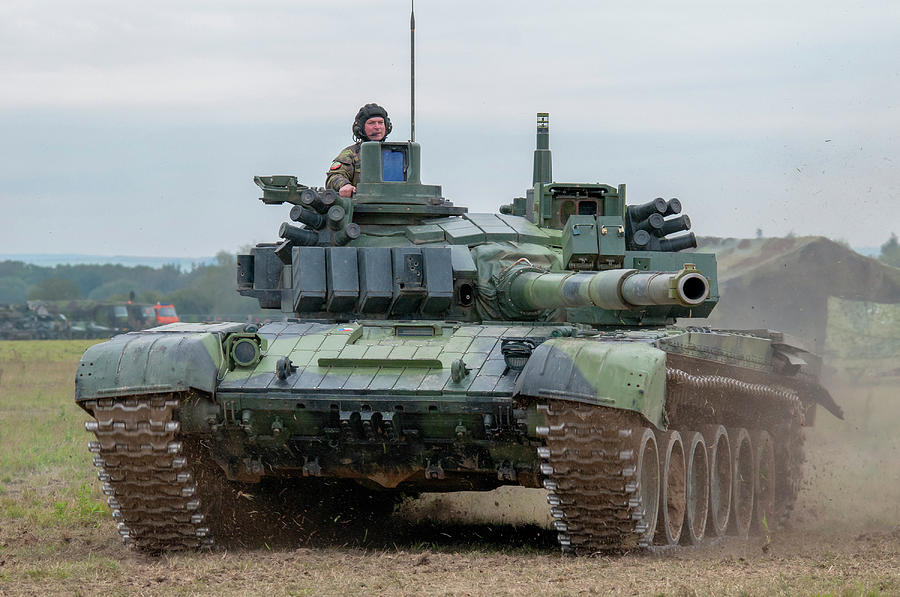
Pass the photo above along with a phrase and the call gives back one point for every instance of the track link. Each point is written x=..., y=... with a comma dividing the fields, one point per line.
x=588, y=462
x=149, y=483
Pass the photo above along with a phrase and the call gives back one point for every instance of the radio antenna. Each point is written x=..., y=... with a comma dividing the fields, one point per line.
x=412, y=71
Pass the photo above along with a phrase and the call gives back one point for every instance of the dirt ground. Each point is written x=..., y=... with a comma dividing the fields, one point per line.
x=795, y=564
x=843, y=539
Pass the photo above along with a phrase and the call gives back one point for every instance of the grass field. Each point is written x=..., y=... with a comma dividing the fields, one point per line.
x=56, y=535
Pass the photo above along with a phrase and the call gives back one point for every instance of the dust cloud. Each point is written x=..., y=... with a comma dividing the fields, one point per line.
x=852, y=484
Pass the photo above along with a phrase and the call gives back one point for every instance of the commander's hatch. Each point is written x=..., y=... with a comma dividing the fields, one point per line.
x=390, y=189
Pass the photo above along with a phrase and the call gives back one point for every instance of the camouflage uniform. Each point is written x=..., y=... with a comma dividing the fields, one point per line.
x=344, y=169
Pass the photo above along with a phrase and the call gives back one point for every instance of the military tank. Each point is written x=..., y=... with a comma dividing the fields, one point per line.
x=429, y=349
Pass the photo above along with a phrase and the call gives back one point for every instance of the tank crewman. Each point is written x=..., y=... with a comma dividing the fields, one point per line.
x=371, y=124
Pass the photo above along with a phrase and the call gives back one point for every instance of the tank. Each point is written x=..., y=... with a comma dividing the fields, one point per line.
x=424, y=348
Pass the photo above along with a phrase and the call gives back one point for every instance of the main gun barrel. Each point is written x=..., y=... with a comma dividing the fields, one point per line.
x=617, y=289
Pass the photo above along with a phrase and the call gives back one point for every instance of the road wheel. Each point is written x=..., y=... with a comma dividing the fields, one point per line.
x=718, y=450
x=743, y=481
x=647, y=474
x=672, y=488
x=696, y=488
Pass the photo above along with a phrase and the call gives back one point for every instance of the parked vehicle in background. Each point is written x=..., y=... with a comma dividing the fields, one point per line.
x=163, y=314
x=45, y=320
x=32, y=321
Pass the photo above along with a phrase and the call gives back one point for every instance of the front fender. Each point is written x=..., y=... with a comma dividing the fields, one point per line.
x=622, y=375
x=172, y=358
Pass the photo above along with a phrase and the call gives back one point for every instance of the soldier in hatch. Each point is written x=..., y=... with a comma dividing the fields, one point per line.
x=371, y=124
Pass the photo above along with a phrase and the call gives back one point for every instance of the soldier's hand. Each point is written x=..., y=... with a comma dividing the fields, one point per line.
x=347, y=190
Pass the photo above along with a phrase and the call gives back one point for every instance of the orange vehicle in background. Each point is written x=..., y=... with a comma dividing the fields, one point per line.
x=166, y=313
x=160, y=314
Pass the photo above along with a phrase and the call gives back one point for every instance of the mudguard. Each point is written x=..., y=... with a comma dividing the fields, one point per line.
x=623, y=375
x=171, y=358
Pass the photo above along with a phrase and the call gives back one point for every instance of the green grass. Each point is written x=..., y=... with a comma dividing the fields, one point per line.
x=68, y=351
x=46, y=476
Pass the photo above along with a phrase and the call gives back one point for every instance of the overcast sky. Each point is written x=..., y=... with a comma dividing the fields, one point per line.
x=136, y=128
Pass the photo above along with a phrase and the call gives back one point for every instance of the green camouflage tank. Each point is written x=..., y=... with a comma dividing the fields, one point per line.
x=428, y=349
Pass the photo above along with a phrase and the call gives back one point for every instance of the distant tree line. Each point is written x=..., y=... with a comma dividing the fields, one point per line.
x=205, y=290
x=890, y=251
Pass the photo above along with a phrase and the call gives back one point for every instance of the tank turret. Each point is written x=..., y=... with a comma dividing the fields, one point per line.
x=398, y=248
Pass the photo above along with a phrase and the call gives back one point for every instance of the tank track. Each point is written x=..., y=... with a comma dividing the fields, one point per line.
x=149, y=483
x=588, y=462
x=588, y=459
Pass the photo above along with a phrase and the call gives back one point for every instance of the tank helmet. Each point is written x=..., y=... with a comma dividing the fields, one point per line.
x=366, y=112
